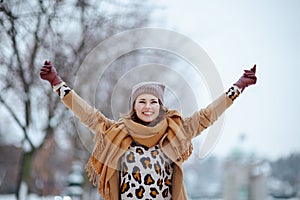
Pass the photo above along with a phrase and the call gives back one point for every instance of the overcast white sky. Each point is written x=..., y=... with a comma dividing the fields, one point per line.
x=236, y=35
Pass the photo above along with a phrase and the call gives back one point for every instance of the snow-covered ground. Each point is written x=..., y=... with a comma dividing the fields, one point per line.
x=32, y=196
x=35, y=197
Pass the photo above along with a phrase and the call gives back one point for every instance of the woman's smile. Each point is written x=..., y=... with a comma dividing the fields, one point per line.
x=148, y=113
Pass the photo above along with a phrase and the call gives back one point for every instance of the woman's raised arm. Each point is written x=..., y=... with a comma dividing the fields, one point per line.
x=88, y=115
x=204, y=118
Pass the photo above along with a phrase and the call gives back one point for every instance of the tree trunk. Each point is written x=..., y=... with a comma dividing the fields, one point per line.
x=24, y=172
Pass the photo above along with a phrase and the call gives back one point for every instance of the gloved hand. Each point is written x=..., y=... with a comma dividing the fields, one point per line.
x=48, y=73
x=247, y=79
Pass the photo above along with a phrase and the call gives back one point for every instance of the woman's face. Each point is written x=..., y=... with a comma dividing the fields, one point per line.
x=147, y=107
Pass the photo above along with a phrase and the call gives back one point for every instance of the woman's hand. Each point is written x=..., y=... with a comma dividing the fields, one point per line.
x=48, y=73
x=247, y=79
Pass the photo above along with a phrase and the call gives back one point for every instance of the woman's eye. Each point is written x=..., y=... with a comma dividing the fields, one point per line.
x=154, y=102
x=141, y=101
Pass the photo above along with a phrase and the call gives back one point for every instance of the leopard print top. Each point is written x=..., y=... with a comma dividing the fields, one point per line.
x=146, y=173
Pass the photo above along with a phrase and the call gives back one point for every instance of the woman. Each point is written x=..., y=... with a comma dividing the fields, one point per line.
x=141, y=155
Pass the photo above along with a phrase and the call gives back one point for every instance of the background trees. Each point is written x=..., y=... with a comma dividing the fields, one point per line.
x=31, y=115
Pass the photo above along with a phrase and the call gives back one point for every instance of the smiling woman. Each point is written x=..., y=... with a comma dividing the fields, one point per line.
x=140, y=156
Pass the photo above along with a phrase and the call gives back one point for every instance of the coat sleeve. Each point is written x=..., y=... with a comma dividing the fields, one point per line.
x=87, y=115
x=204, y=118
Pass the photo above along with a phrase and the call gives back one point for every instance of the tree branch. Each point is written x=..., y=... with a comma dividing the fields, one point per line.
x=12, y=113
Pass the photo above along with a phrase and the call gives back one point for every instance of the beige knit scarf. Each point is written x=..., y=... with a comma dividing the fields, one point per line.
x=112, y=144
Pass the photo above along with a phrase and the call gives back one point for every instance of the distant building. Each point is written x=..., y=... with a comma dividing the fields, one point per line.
x=245, y=178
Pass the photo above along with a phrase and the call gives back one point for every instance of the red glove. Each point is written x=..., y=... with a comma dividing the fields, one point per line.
x=247, y=79
x=48, y=73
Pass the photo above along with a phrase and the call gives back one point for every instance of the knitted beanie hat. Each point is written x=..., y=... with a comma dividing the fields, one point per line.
x=154, y=88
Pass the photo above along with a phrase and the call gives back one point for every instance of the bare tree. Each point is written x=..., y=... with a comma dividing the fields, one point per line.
x=63, y=31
